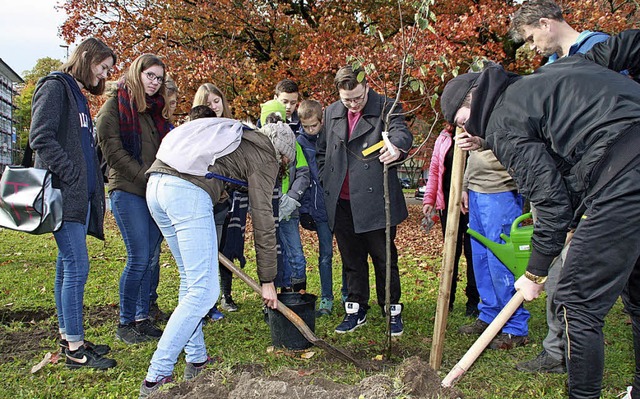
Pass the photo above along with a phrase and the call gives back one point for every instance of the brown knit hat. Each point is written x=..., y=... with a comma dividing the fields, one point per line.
x=282, y=138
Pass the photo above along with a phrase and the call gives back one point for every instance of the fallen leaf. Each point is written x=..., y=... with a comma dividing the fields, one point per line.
x=307, y=355
x=302, y=373
x=378, y=357
x=270, y=349
x=43, y=362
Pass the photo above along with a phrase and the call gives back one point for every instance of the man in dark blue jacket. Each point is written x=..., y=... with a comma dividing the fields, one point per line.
x=569, y=135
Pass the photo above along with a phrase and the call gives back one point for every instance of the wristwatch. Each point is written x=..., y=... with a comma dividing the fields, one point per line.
x=534, y=278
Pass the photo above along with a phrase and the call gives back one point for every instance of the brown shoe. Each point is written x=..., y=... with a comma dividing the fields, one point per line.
x=508, y=341
x=476, y=328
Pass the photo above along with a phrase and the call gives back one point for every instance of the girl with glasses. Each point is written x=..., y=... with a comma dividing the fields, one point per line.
x=131, y=124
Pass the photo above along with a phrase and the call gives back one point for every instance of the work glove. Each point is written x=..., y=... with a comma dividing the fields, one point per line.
x=286, y=207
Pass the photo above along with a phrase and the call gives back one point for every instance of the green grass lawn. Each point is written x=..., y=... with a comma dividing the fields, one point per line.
x=29, y=326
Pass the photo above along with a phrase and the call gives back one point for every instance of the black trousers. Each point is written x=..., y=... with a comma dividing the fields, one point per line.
x=222, y=217
x=601, y=264
x=464, y=241
x=355, y=248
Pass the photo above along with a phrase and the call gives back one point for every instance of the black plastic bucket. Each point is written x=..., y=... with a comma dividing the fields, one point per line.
x=283, y=333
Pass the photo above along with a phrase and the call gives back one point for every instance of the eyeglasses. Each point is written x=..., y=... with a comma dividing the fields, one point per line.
x=152, y=76
x=354, y=100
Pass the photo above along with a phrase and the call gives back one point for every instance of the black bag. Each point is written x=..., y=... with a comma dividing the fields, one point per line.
x=307, y=222
x=29, y=201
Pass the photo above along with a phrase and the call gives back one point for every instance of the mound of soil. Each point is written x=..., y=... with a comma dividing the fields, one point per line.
x=413, y=378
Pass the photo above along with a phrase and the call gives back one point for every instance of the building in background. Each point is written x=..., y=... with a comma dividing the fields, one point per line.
x=8, y=141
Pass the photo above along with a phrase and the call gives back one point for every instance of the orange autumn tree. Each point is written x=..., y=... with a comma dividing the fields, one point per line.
x=246, y=46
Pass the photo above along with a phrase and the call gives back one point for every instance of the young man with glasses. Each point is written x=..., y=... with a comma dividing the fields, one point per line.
x=353, y=190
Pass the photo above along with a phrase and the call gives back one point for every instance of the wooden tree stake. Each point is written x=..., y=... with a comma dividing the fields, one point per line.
x=448, y=257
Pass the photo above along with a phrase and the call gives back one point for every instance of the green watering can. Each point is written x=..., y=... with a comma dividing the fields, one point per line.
x=516, y=250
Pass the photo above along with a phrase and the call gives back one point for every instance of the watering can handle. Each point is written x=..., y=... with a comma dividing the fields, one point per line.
x=520, y=219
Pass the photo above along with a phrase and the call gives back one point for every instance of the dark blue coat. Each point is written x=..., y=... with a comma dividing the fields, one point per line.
x=313, y=198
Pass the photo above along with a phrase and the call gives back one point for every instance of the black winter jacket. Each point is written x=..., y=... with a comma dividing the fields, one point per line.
x=562, y=133
x=338, y=154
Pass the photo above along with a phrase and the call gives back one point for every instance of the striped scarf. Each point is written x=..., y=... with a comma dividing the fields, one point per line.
x=130, y=132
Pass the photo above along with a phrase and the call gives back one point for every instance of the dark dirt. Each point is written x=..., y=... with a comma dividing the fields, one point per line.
x=32, y=331
x=413, y=378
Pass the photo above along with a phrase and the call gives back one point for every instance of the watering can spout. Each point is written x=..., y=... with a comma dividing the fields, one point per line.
x=516, y=250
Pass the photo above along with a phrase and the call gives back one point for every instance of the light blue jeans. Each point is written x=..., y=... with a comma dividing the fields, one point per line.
x=141, y=235
x=292, y=254
x=184, y=213
x=72, y=269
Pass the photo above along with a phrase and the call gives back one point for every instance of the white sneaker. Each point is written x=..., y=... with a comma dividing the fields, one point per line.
x=628, y=395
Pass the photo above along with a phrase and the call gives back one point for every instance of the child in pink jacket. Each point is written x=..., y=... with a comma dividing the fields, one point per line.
x=437, y=194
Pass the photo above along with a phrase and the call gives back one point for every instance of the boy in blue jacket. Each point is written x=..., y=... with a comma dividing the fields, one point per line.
x=313, y=213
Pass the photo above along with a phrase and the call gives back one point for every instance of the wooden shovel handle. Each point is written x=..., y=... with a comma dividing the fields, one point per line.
x=293, y=317
x=481, y=343
x=286, y=312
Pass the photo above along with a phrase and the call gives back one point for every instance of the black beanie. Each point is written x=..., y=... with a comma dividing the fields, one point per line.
x=454, y=94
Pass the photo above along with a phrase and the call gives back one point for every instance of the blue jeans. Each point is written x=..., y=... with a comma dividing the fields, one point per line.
x=155, y=273
x=141, y=235
x=293, y=256
x=325, y=259
x=72, y=269
x=184, y=213
x=490, y=215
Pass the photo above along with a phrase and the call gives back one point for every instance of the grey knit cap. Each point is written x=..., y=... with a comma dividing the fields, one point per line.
x=282, y=138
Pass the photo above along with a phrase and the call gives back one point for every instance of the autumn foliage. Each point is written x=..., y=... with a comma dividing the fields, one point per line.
x=246, y=46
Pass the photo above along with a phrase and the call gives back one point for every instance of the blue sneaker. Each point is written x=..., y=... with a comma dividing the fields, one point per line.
x=354, y=318
x=215, y=314
x=396, y=320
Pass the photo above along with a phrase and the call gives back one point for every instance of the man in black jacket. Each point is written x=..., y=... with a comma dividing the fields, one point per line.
x=569, y=135
x=353, y=190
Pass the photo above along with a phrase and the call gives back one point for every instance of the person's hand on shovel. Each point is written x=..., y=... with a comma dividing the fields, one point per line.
x=529, y=289
x=269, y=295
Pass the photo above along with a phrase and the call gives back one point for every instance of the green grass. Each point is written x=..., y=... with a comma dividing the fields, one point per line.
x=27, y=269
